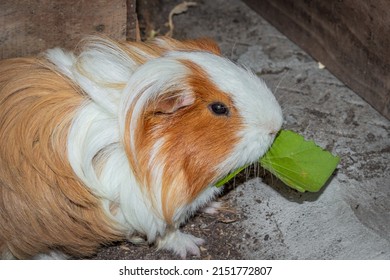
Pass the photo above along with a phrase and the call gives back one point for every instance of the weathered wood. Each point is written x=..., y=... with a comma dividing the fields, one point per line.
x=29, y=26
x=132, y=27
x=349, y=37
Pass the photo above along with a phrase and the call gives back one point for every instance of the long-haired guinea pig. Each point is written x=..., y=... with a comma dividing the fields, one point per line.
x=122, y=140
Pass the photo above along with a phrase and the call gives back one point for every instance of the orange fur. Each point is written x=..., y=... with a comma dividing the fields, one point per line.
x=156, y=48
x=201, y=44
x=43, y=206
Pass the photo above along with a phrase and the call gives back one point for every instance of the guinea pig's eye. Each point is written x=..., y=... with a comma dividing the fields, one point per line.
x=219, y=108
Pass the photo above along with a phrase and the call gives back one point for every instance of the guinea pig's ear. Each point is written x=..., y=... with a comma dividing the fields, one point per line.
x=171, y=103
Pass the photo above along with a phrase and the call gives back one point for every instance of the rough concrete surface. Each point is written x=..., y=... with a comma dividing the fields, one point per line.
x=350, y=217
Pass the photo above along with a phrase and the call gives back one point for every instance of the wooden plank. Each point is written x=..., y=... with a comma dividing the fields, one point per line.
x=132, y=28
x=29, y=26
x=349, y=37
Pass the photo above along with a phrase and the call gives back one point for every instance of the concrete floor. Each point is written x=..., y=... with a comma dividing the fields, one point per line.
x=350, y=217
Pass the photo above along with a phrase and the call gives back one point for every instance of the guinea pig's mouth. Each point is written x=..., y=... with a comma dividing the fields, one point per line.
x=254, y=158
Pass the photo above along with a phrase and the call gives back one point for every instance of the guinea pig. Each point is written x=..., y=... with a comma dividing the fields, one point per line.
x=122, y=140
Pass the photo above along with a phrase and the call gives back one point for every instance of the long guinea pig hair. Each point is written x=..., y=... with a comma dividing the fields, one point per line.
x=121, y=140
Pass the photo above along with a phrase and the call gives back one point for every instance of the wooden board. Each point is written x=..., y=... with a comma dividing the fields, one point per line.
x=29, y=26
x=350, y=37
x=132, y=27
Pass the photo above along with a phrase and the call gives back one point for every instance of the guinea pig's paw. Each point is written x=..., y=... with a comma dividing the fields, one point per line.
x=180, y=243
x=213, y=208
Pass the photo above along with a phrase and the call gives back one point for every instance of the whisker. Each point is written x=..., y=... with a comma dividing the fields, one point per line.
x=281, y=80
x=285, y=98
x=233, y=48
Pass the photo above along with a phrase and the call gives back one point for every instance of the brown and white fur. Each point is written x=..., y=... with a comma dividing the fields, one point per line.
x=120, y=140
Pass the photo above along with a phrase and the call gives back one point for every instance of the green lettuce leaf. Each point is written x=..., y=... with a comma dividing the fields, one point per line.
x=300, y=164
